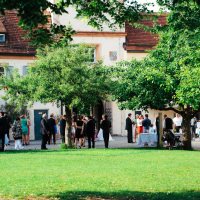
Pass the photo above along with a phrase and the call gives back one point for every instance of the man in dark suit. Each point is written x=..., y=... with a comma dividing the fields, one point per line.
x=51, y=124
x=90, y=131
x=106, y=125
x=44, y=131
x=63, y=122
x=167, y=128
x=129, y=128
x=2, y=131
x=168, y=123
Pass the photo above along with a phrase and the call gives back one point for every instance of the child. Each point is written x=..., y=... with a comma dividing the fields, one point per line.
x=17, y=134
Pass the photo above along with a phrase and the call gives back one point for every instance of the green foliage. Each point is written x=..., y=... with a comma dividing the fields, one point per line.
x=169, y=75
x=63, y=75
x=168, y=78
x=34, y=19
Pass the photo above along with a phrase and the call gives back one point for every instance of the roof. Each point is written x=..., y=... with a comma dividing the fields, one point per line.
x=138, y=40
x=15, y=43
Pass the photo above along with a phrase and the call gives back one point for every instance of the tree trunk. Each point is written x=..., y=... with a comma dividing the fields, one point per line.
x=68, y=135
x=187, y=145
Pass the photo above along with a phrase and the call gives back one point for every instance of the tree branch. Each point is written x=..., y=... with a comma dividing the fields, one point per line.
x=173, y=109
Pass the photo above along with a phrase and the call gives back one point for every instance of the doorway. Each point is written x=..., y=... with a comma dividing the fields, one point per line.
x=37, y=120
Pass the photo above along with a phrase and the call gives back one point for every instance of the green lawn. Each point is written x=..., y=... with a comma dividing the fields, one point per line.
x=100, y=174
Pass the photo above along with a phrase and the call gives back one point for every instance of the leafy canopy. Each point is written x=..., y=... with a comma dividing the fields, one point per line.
x=168, y=78
x=64, y=74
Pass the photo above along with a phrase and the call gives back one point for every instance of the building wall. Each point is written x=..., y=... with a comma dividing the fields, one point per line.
x=79, y=24
x=18, y=62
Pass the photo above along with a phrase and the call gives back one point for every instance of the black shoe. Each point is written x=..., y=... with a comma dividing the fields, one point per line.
x=44, y=149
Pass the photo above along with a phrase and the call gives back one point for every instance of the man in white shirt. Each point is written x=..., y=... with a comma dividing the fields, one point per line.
x=177, y=122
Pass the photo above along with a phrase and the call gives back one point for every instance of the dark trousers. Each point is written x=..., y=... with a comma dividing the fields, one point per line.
x=91, y=140
x=130, y=136
x=63, y=138
x=44, y=141
x=2, y=142
x=106, y=139
x=178, y=129
x=50, y=138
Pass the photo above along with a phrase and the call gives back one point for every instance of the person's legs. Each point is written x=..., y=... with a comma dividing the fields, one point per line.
x=80, y=142
x=89, y=141
x=93, y=141
x=23, y=139
x=15, y=144
x=49, y=139
x=63, y=138
x=130, y=136
x=20, y=145
x=44, y=141
x=106, y=139
x=54, y=138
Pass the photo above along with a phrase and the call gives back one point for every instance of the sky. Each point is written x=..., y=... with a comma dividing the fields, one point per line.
x=155, y=8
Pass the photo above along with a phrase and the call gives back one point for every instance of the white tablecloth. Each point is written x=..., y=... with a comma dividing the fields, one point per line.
x=147, y=138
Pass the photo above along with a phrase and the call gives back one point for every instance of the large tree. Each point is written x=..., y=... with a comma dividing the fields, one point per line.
x=62, y=75
x=168, y=79
x=34, y=18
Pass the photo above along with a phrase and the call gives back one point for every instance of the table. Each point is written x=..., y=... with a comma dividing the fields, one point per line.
x=147, y=139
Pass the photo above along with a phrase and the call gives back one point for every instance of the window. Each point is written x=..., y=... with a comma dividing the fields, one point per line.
x=9, y=71
x=1, y=70
x=2, y=38
x=92, y=54
x=24, y=70
x=113, y=55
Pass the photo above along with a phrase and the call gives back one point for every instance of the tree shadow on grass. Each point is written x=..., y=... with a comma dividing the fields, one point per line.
x=82, y=151
x=128, y=195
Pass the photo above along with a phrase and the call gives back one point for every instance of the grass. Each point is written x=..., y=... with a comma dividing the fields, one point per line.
x=119, y=174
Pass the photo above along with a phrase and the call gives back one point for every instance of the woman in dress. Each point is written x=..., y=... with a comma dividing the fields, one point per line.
x=139, y=125
x=79, y=126
x=17, y=133
x=24, y=125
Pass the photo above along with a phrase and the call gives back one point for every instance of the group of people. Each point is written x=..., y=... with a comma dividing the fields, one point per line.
x=20, y=131
x=142, y=125
x=82, y=127
x=170, y=126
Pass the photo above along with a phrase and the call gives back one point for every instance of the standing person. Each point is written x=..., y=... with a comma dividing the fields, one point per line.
x=106, y=125
x=44, y=131
x=85, y=120
x=90, y=131
x=24, y=125
x=193, y=123
x=139, y=125
x=7, y=125
x=2, y=132
x=79, y=126
x=167, y=128
x=177, y=122
x=17, y=133
x=62, y=127
x=129, y=128
x=51, y=124
x=168, y=123
x=146, y=123
x=29, y=130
